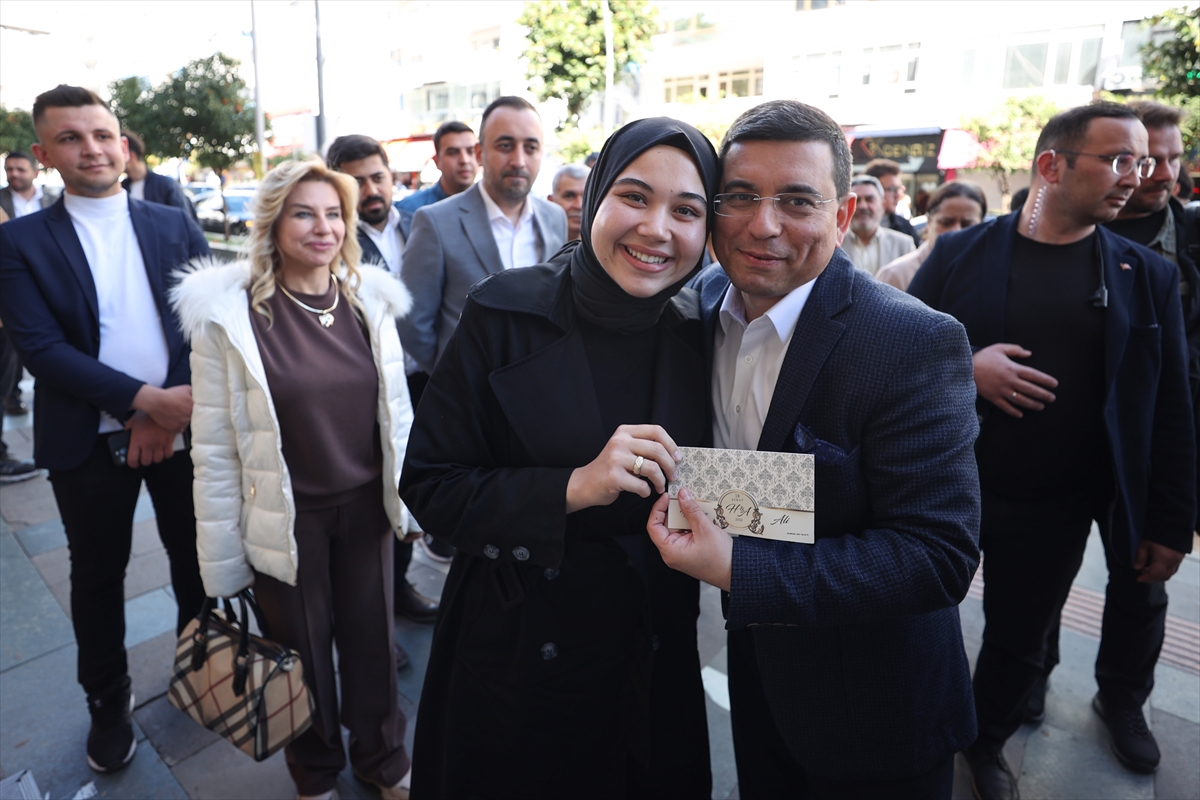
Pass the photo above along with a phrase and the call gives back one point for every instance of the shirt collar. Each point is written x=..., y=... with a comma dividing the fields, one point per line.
x=495, y=212
x=392, y=221
x=783, y=316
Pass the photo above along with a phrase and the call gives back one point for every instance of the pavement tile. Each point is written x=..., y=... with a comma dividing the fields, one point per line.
x=145, y=537
x=62, y=593
x=1064, y=764
x=28, y=503
x=43, y=537
x=710, y=627
x=146, y=572
x=1183, y=596
x=144, y=509
x=222, y=772
x=149, y=615
x=150, y=665
x=173, y=733
x=1176, y=692
x=45, y=730
x=416, y=640
x=31, y=621
x=720, y=749
x=53, y=565
x=1178, y=776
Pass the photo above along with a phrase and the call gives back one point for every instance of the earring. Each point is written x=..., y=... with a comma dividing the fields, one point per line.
x=1037, y=210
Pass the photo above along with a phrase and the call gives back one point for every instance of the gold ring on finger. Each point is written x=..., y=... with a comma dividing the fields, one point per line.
x=637, y=466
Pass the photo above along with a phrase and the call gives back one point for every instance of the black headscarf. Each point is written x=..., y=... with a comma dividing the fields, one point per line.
x=598, y=298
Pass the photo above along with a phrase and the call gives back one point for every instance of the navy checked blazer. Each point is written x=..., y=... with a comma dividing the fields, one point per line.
x=50, y=310
x=857, y=636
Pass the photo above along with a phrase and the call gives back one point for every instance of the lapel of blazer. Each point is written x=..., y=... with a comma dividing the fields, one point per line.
x=369, y=251
x=712, y=291
x=547, y=231
x=478, y=228
x=63, y=234
x=6, y=202
x=1120, y=284
x=531, y=401
x=815, y=335
x=147, y=239
x=993, y=278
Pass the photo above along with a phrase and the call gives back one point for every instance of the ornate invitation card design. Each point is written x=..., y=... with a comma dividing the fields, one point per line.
x=749, y=493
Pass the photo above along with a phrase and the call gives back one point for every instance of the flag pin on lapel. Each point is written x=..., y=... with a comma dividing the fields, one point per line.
x=1125, y=266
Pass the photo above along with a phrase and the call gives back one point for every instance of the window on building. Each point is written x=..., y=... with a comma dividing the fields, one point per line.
x=1062, y=63
x=819, y=73
x=486, y=39
x=914, y=56
x=740, y=83
x=1089, y=60
x=1025, y=66
x=687, y=89
x=968, y=67
x=817, y=5
x=1134, y=37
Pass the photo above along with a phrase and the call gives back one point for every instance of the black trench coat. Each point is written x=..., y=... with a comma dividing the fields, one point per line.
x=562, y=665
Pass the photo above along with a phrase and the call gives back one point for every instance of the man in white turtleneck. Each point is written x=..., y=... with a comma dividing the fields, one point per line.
x=83, y=288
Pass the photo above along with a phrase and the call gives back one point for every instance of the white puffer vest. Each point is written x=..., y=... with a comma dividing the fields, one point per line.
x=245, y=510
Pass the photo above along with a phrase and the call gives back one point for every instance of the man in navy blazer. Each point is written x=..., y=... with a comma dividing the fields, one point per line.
x=847, y=673
x=144, y=184
x=83, y=295
x=1081, y=368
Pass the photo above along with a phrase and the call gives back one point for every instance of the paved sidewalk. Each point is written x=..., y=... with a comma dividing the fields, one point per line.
x=44, y=720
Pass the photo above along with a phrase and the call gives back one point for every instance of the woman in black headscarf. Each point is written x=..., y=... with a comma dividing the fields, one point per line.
x=564, y=660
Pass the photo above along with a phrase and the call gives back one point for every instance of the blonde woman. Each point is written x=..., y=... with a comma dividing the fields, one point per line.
x=300, y=425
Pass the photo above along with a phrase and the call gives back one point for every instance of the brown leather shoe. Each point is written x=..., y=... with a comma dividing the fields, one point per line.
x=991, y=777
x=413, y=605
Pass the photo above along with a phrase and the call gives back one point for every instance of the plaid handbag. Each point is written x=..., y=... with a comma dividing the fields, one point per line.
x=243, y=687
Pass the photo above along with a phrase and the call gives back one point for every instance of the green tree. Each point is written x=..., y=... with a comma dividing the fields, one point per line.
x=565, y=55
x=16, y=130
x=138, y=108
x=1172, y=60
x=1008, y=136
x=1172, y=56
x=208, y=112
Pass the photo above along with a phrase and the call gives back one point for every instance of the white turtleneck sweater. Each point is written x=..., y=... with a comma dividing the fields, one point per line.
x=132, y=339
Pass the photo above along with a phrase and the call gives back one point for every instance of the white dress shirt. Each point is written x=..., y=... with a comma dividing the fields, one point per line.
x=746, y=364
x=388, y=240
x=22, y=207
x=132, y=339
x=519, y=245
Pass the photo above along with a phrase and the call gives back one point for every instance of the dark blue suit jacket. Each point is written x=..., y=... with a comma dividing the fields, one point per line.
x=1148, y=406
x=49, y=307
x=409, y=206
x=161, y=189
x=858, y=637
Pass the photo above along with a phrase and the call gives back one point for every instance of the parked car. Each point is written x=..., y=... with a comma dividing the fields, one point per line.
x=212, y=216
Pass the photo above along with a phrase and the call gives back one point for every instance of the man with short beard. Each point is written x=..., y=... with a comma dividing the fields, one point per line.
x=454, y=155
x=869, y=244
x=1081, y=369
x=22, y=196
x=493, y=226
x=888, y=173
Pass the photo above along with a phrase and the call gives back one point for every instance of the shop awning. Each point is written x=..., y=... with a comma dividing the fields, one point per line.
x=409, y=155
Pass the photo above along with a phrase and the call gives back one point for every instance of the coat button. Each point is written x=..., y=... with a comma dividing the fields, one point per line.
x=551, y=573
x=654, y=641
x=252, y=490
x=520, y=554
x=549, y=650
x=491, y=551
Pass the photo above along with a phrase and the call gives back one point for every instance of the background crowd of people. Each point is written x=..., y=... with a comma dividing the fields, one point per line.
x=506, y=381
